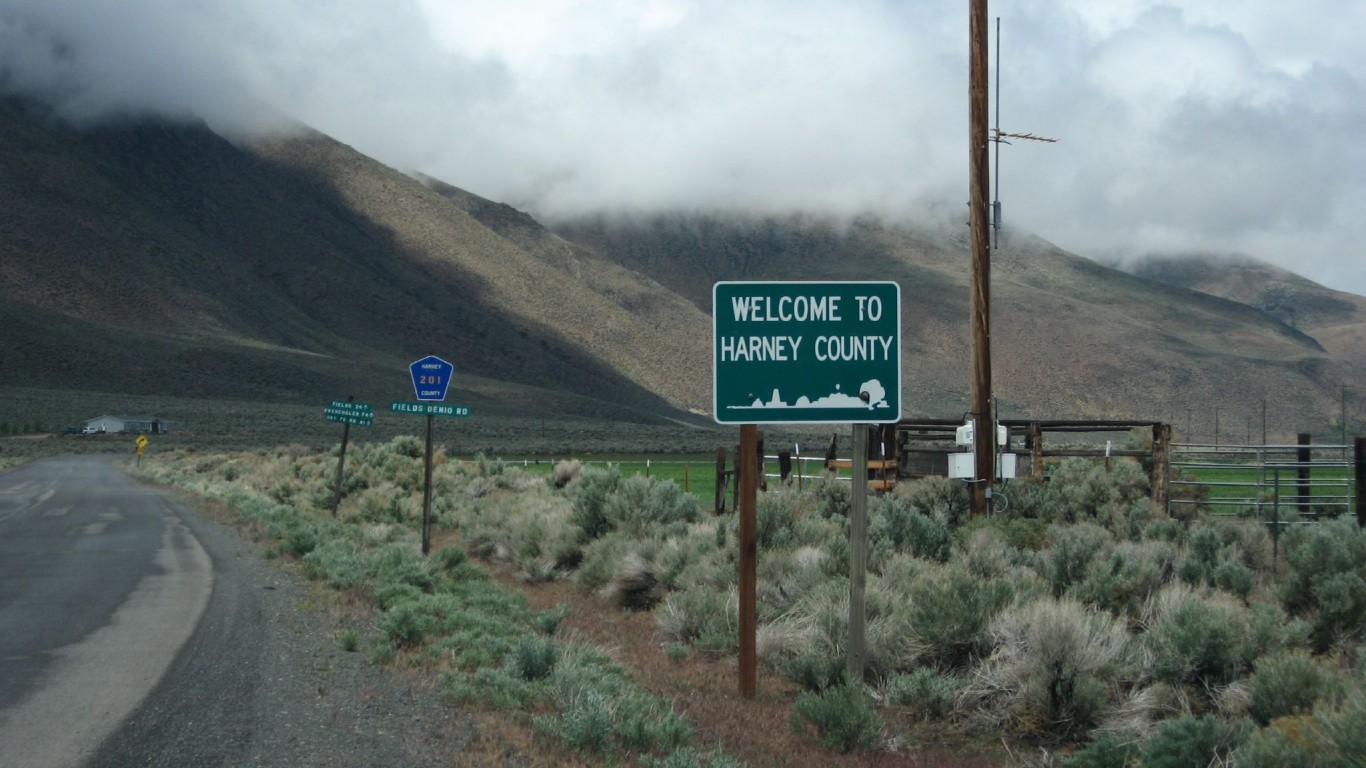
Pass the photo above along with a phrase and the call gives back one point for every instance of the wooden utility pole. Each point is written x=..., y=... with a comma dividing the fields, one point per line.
x=979, y=286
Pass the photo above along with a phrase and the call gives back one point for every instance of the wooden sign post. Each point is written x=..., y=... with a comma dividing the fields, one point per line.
x=748, y=506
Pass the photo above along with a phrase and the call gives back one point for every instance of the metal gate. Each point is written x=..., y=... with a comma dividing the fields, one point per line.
x=1262, y=481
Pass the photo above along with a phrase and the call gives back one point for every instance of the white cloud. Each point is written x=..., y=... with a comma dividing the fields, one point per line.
x=1182, y=126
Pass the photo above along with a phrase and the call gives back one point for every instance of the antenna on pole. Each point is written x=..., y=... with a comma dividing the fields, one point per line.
x=999, y=138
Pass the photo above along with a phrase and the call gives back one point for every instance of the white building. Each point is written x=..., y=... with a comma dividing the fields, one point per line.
x=134, y=424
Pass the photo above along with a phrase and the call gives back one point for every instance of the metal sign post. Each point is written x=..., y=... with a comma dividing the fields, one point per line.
x=431, y=380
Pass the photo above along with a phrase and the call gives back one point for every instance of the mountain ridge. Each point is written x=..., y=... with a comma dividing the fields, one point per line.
x=152, y=255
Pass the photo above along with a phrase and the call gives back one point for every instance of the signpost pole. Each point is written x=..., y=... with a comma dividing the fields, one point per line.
x=427, y=493
x=747, y=484
x=858, y=554
x=341, y=461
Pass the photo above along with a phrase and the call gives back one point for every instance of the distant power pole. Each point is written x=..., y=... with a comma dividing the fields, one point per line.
x=979, y=286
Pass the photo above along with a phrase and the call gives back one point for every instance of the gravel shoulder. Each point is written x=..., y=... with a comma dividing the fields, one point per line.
x=264, y=682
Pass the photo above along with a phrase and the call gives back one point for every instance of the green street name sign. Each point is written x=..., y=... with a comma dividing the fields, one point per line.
x=806, y=352
x=429, y=409
x=343, y=406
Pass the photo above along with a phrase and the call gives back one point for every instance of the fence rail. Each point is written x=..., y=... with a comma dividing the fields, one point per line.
x=1262, y=480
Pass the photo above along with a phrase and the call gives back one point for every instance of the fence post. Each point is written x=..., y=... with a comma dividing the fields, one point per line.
x=1302, y=459
x=1159, y=475
x=1359, y=462
x=784, y=466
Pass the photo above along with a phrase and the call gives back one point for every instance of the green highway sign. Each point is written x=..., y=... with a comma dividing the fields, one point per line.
x=429, y=409
x=806, y=352
x=346, y=412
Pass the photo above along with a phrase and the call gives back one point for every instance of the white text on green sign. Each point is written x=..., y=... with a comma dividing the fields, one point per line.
x=344, y=406
x=364, y=420
x=805, y=352
x=429, y=409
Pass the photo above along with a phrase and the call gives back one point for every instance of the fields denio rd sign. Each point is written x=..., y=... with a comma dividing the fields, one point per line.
x=806, y=352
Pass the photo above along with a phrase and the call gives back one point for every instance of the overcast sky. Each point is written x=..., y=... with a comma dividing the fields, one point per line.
x=1213, y=126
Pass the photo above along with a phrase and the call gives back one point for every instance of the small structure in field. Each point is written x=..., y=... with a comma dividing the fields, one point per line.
x=134, y=424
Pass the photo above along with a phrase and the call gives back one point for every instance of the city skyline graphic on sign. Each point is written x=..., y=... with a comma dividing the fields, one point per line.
x=877, y=398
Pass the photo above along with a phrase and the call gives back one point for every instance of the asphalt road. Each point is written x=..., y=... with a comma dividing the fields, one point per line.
x=133, y=632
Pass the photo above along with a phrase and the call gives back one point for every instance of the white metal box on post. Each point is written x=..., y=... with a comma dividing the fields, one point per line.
x=963, y=466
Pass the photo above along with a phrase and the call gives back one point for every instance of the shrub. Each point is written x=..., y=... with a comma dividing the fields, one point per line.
x=896, y=521
x=842, y=716
x=949, y=614
x=703, y=616
x=1290, y=741
x=1346, y=730
x=1214, y=558
x=1123, y=579
x=986, y=554
x=586, y=722
x=565, y=472
x=1288, y=684
x=1326, y=581
x=405, y=623
x=590, y=500
x=816, y=672
x=925, y=692
x=1081, y=489
x=1051, y=667
x=776, y=514
x=1108, y=750
x=648, y=724
x=935, y=496
x=835, y=498
x=604, y=502
x=497, y=687
x=1193, y=741
x=450, y=557
x=533, y=657
x=1196, y=640
x=348, y=640
x=1071, y=548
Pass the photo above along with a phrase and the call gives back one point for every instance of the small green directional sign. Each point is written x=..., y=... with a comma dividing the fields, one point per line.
x=429, y=409
x=346, y=412
x=806, y=352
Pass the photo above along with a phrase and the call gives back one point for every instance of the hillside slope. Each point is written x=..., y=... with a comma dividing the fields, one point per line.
x=152, y=256
x=1070, y=338
x=1336, y=319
